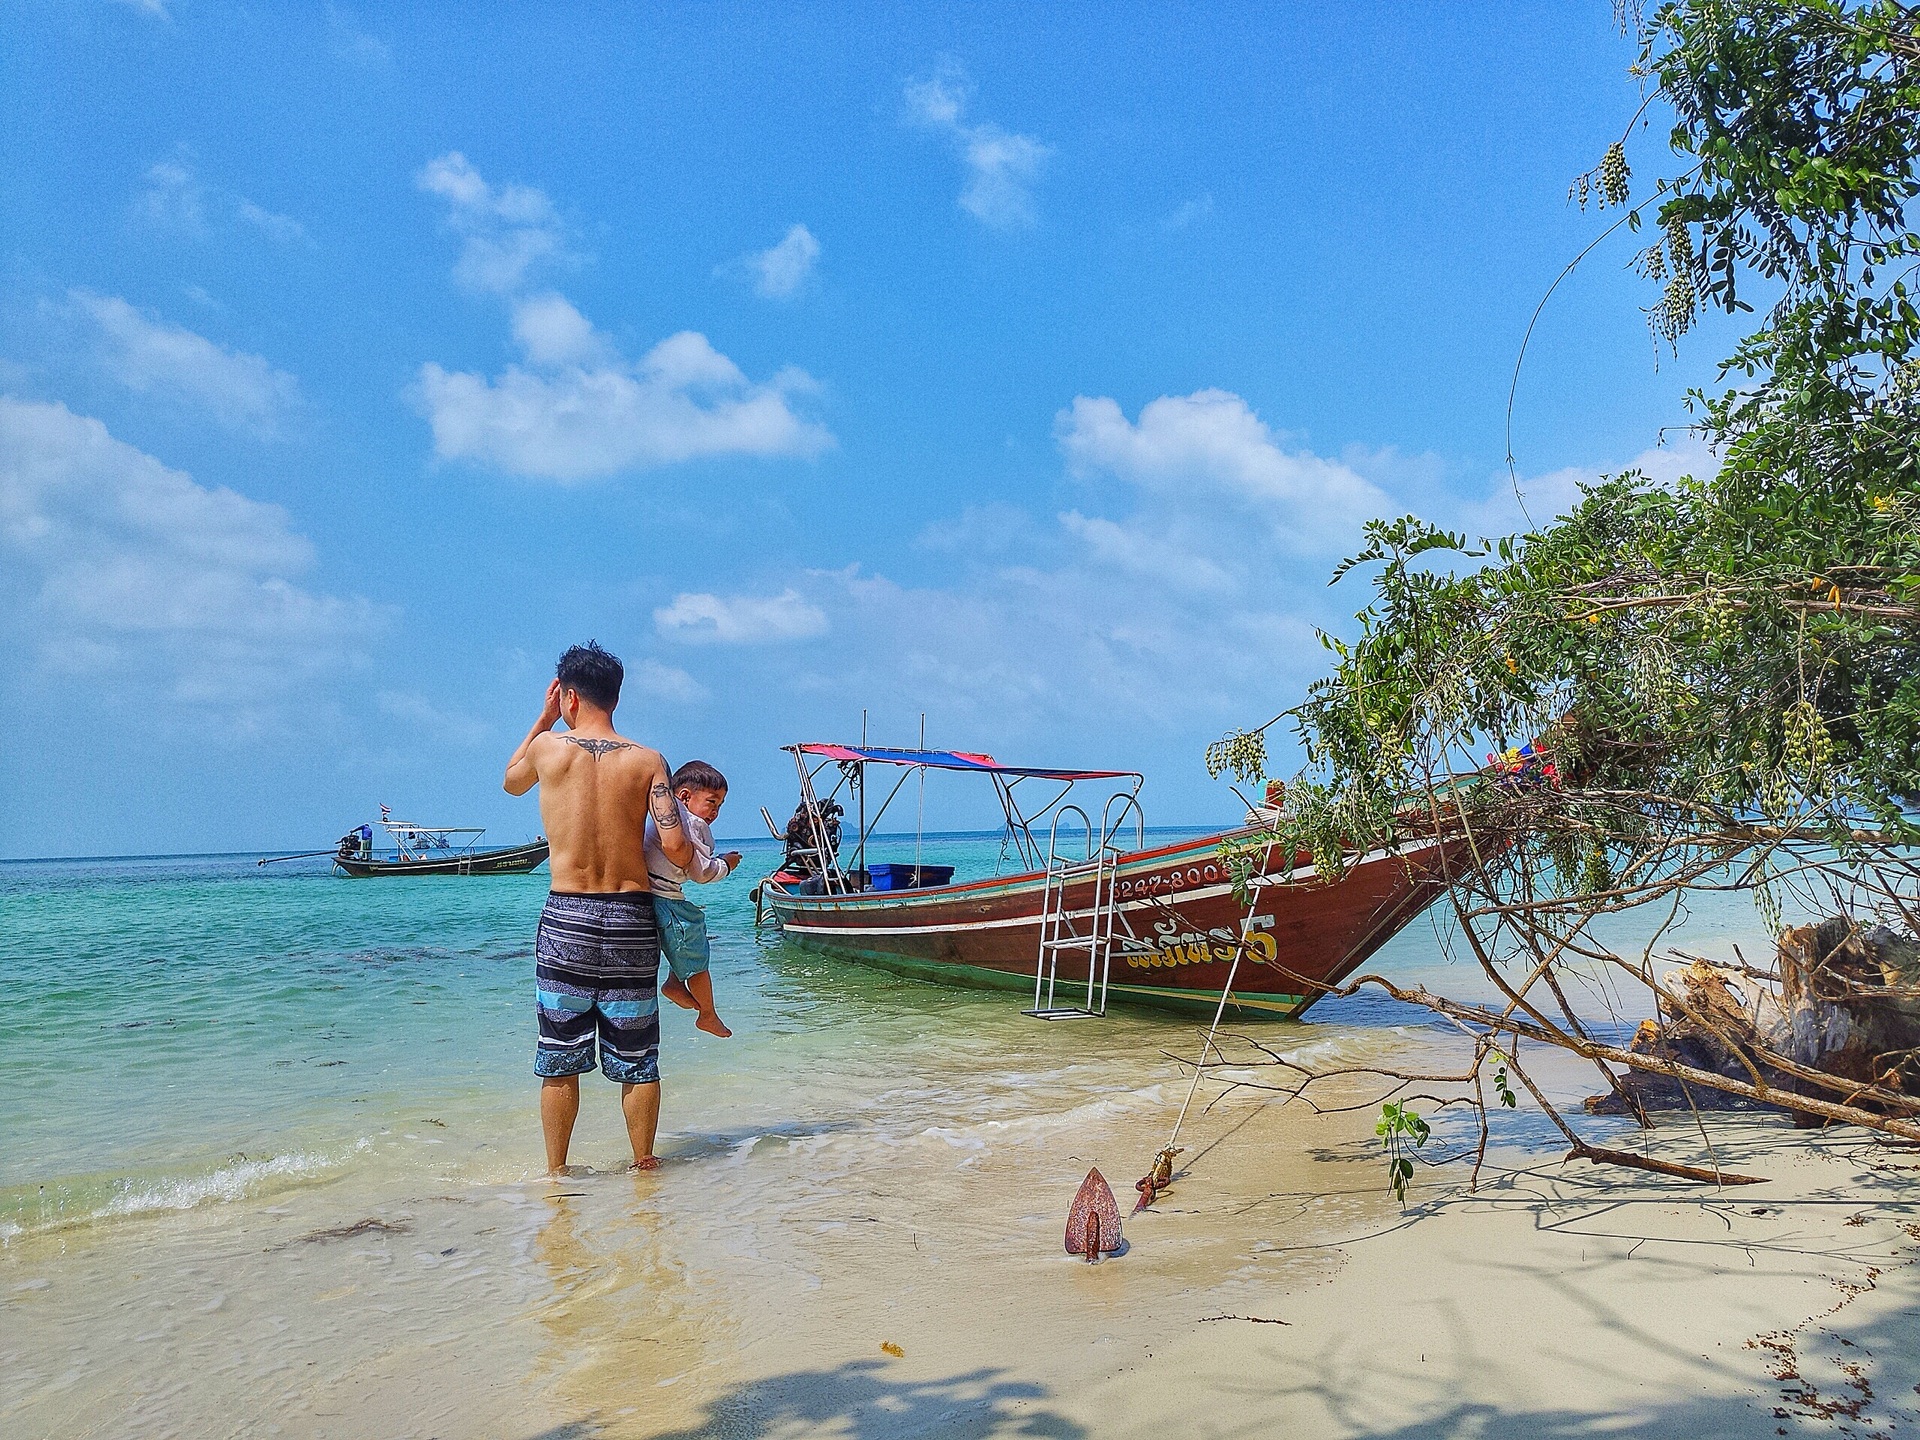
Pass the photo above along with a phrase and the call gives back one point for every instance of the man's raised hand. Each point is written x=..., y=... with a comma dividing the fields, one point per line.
x=522, y=775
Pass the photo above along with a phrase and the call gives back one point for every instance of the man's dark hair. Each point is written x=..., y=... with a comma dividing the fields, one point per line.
x=698, y=775
x=593, y=672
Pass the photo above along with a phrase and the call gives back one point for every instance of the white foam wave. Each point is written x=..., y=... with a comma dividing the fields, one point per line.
x=230, y=1182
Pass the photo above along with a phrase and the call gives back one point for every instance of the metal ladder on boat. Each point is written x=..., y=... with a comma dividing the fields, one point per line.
x=1065, y=932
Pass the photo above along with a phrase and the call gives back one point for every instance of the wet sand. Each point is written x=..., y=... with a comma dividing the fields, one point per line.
x=1276, y=1289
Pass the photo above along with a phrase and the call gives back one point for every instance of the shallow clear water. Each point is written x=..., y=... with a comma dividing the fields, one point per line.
x=194, y=1028
x=219, y=1075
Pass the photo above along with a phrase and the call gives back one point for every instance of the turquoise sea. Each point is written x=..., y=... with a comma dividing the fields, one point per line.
x=269, y=1146
x=187, y=1029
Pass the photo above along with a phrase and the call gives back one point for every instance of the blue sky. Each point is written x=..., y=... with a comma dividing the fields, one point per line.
x=1026, y=367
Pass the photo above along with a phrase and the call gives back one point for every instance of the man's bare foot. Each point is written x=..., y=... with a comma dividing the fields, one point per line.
x=709, y=1021
x=646, y=1162
x=570, y=1172
x=676, y=991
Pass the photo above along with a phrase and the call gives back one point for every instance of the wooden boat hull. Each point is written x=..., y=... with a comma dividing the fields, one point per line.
x=1176, y=926
x=511, y=860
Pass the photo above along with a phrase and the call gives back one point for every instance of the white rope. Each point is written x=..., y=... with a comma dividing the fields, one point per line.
x=1246, y=927
x=1198, y=1069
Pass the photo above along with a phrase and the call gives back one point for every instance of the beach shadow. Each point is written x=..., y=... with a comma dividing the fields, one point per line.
x=869, y=1400
x=1697, y=1420
x=1705, y=1418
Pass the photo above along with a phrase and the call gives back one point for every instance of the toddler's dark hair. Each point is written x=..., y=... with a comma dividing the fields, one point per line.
x=698, y=775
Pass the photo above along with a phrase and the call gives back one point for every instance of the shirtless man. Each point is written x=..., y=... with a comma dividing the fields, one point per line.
x=596, y=953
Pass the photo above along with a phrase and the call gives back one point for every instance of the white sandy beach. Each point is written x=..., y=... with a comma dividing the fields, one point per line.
x=1276, y=1290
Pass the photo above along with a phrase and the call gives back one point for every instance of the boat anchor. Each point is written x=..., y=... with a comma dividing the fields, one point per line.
x=1093, y=1221
x=1157, y=1180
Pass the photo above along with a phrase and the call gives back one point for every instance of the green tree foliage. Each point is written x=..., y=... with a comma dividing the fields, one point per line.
x=1727, y=667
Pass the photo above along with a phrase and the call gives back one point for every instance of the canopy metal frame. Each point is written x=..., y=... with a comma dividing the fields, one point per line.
x=1019, y=823
x=413, y=842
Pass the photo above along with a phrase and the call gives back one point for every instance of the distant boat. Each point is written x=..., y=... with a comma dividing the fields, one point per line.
x=425, y=850
x=1157, y=926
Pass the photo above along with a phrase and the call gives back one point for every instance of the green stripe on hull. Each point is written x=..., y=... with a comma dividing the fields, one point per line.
x=979, y=977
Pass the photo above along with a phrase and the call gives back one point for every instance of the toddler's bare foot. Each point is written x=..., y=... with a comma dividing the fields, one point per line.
x=709, y=1021
x=678, y=993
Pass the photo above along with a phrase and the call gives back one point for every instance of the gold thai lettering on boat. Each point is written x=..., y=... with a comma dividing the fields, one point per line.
x=1172, y=947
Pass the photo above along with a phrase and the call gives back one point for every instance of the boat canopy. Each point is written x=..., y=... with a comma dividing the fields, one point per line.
x=955, y=760
x=821, y=814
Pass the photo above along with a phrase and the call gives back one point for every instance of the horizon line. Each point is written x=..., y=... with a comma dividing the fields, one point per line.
x=718, y=839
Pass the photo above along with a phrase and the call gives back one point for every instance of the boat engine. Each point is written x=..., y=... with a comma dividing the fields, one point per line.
x=803, y=854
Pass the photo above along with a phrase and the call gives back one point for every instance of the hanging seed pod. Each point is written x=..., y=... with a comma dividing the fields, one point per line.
x=1680, y=245
x=1673, y=316
x=1806, y=750
x=1613, y=175
x=1242, y=753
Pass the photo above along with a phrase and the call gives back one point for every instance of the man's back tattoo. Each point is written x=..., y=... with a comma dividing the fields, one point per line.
x=597, y=748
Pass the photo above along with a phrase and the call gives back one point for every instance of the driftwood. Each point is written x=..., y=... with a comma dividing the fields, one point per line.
x=1843, y=1005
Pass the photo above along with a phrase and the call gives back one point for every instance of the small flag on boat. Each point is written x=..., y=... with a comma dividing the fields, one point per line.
x=385, y=814
x=1093, y=1222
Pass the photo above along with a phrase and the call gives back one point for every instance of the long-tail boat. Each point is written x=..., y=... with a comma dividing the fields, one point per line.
x=1115, y=919
x=424, y=850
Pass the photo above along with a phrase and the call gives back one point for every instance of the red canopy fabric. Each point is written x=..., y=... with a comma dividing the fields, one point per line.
x=955, y=760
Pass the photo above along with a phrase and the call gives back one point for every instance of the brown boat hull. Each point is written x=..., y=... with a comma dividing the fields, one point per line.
x=512, y=860
x=1177, y=927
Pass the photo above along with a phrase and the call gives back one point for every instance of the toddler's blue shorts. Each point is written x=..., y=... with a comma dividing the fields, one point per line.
x=683, y=936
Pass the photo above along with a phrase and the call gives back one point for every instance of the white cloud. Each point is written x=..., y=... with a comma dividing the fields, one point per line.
x=577, y=408
x=428, y=721
x=120, y=565
x=1212, y=441
x=1147, y=550
x=508, y=229
x=151, y=357
x=664, y=682
x=741, y=619
x=350, y=42
x=978, y=530
x=570, y=417
x=939, y=101
x=280, y=227
x=779, y=273
x=1192, y=213
x=1171, y=603
x=553, y=333
x=999, y=191
x=1073, y=662
x=1136, y=631
x=1002, y=167
x=173, y=198
x=1553, y=494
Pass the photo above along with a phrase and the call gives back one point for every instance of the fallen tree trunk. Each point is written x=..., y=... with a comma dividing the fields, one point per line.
x=1844, y=1017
